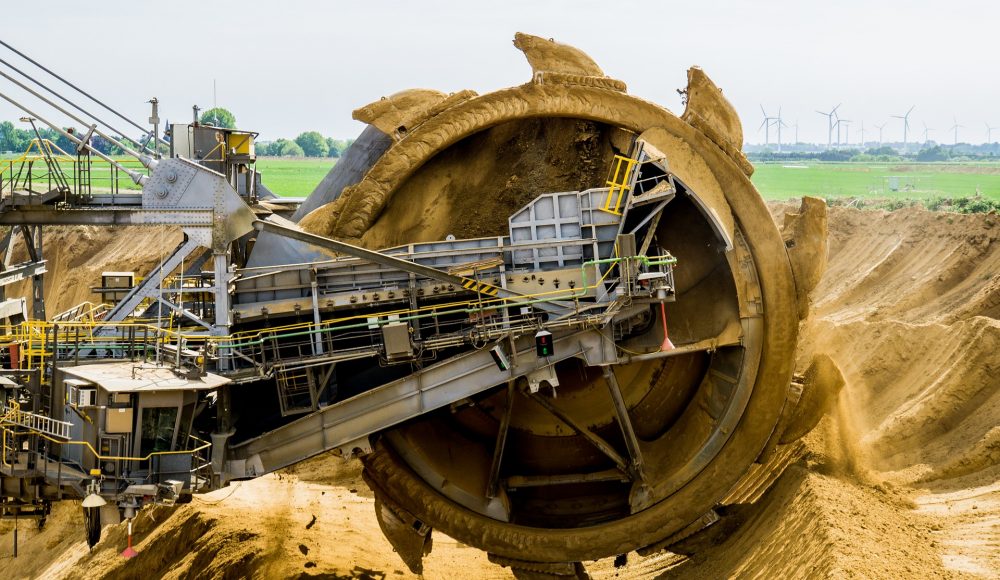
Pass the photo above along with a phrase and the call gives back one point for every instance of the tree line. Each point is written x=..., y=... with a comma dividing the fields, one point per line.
x=15, y=140
x=885, y=154
x=307, y=144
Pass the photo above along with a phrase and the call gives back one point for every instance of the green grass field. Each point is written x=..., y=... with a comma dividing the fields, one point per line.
x=290, y=177
x=872, y=180
x=776, y=181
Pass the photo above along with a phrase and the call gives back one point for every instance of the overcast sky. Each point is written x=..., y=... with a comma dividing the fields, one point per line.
x=287, y=66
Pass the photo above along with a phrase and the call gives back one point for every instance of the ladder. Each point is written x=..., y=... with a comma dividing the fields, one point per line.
x=83, y=174
x=295, y=390
x=621, y=179
x=12, y=415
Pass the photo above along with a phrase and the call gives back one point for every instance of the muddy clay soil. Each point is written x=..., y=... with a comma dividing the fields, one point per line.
x=902, y=480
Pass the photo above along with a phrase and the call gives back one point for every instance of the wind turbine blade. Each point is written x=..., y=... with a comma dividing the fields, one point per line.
x=762, y=110
x=911, y=110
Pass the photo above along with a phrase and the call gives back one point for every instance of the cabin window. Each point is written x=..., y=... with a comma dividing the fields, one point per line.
x=157, y=429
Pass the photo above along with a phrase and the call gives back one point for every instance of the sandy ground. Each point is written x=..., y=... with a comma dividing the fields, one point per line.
x=901, y=481
x=76, y=257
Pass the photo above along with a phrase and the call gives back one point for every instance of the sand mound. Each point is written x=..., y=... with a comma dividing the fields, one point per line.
x=277, y=526
x=910, y=265
x=77, y=255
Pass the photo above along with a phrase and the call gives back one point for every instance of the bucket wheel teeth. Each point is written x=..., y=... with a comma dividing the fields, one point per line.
x=410, y=537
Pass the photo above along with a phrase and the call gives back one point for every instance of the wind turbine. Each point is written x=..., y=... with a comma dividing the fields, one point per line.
x=906, y=124
x=830, y=124
x=862, y=134
x=926, y=131
x=796, y=132
x=766, y=125
x=955, y=128
x=989, y=133
x=880, y=127
x=779, y=122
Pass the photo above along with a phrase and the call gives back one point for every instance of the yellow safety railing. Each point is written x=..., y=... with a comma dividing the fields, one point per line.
x=202, y=446
x=36, y=151
x=83, y=312
x=43, y=149
x=618, y=183
x=36, y=339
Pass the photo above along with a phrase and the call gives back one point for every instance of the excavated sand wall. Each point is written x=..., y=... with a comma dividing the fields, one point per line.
x=77, y=256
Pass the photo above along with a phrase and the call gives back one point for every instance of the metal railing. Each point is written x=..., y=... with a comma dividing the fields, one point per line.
x=11, y=414
x=200, y=445
x=38, y=343
x=29, y=172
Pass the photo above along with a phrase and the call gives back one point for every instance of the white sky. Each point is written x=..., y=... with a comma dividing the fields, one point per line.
x=288, y=66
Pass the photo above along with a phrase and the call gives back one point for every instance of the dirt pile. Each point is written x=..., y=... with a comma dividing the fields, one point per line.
x=315, y=520
x=77, y=255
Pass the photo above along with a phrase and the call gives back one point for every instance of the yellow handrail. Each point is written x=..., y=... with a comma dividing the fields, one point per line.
x=204, y=445
x=34, y=335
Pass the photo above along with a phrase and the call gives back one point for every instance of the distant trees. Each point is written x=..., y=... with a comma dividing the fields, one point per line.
x=313, y=144
x=337, y=147
x=883, y=150
x=218, y=117
x=16, y=140
x=837, y=155
x=284, y=148
x=12, y=138
x=308, y=144
x=936, y=153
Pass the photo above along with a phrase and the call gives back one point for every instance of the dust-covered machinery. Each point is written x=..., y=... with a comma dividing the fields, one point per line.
x=590, y=373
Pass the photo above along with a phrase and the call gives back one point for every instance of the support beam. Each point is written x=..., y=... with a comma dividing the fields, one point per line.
x=21, y=272
x=582, y=430
x=493, y=482
x=628, y=432
x=106, y=217
x=519, y=481
x=149, y=287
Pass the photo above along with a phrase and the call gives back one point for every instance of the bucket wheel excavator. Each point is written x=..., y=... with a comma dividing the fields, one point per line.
x=556, y=322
